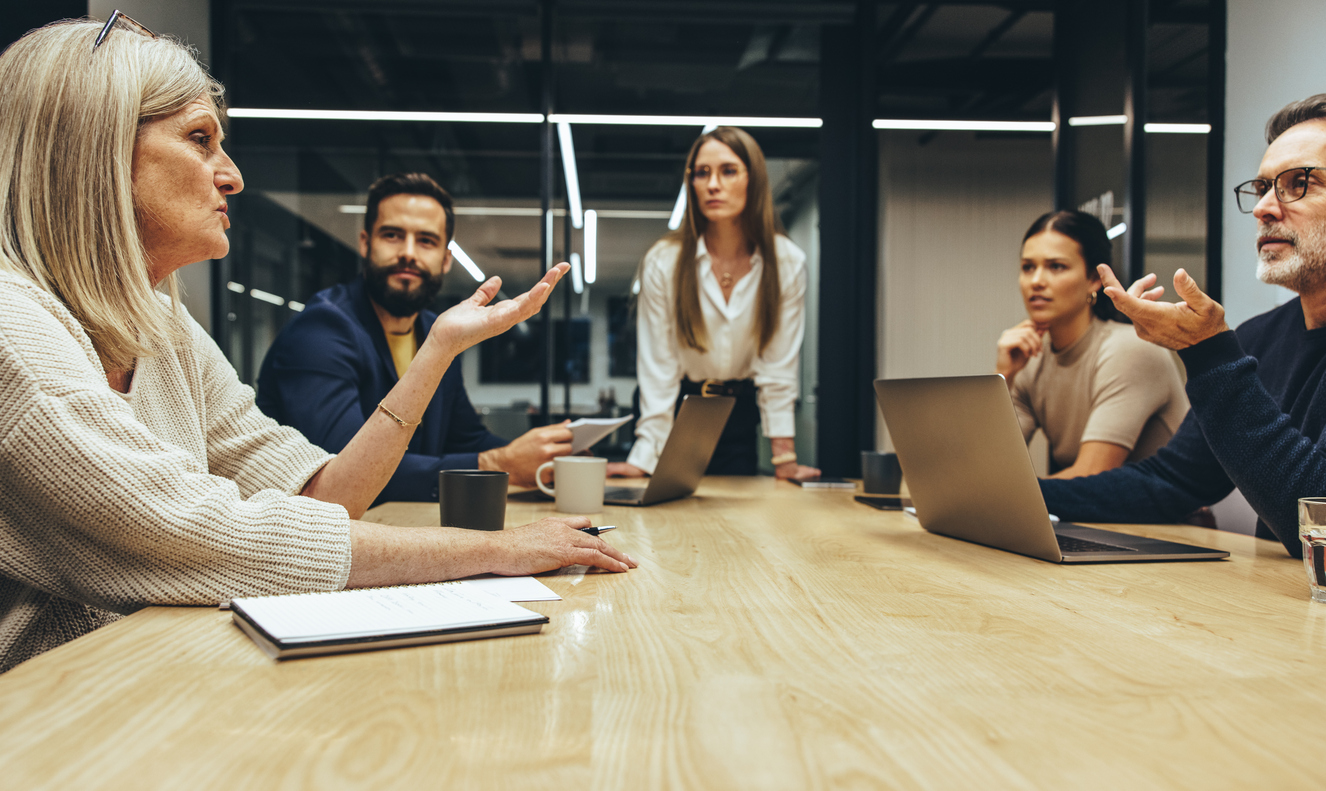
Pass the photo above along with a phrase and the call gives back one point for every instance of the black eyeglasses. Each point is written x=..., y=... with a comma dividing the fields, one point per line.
x=1290, y=186
x=116, y=16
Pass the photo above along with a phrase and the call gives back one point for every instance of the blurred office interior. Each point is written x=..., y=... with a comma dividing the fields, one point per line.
x=910, y=145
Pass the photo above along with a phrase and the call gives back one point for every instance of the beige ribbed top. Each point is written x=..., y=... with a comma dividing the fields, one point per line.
x=179, y=492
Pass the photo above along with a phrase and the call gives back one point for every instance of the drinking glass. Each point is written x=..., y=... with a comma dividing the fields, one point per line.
x=1312, y=532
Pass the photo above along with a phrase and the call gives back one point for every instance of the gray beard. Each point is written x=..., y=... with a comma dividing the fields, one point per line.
x=1304, y=269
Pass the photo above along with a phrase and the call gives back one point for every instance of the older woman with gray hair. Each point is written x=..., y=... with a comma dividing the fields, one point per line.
x=136, y=469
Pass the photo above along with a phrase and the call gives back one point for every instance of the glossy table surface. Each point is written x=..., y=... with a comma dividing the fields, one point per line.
x=773, y=637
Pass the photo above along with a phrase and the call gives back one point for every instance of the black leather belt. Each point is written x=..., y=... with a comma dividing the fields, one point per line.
x=718, y=387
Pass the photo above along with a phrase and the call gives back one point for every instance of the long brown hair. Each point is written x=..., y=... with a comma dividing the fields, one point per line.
x=761, y=227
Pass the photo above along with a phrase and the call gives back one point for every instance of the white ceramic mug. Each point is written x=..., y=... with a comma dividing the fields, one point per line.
x=579, y=483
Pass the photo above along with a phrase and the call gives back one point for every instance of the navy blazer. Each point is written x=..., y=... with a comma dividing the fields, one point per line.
x=329, y=368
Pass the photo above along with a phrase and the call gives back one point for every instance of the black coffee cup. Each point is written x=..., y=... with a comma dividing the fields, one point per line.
x=880, y=472
x=473, y=499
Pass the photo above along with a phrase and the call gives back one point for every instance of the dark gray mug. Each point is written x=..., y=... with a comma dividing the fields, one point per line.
x=474, y=499
x=880, y=472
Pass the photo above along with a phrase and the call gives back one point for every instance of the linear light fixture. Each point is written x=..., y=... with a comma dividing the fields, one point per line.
x=687, y=120
x=351, y=208
x=591, y=245
x=577, y=277
x=1178, y=129
x=297, y=307
x=1116, y=231
x=466, y=261
x=384, y=115
x=267, y=297
x=1098, y=120
x=238, y=288
x=964, y=126
x=572, y=177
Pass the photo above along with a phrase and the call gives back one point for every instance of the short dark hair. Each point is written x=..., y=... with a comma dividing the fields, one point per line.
x=1295, y=113
x=409, y=184
x=1089, y=233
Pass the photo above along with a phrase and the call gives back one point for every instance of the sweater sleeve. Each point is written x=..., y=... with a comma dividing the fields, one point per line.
x=97, y=509
x=1270, y=460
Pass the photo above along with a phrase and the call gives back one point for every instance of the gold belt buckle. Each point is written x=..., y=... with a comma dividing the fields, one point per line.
x=711, y=387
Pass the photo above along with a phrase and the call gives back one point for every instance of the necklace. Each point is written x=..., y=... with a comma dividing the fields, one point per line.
x=725, y=280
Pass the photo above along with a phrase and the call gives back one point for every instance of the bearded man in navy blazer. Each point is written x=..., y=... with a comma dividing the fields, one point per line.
x=333, y=362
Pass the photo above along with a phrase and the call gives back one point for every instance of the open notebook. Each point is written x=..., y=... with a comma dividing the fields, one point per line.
x=308, y=624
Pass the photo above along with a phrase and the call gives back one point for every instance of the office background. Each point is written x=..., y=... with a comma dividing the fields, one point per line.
x=912, y=234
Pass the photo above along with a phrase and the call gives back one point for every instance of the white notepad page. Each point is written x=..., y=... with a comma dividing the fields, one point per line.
x=312, y=617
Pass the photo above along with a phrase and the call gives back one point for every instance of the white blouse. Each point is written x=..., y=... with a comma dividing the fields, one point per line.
x=661, y=361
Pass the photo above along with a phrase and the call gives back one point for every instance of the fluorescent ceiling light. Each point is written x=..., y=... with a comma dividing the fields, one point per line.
x=385, y=115
x=1098, y=120
x=350, y=208
x=591, y=245
x=1117, y=231
x=267, y=297
x=635, y=286
x=530, y=211
x=295, y=306
x=238, y=288
x=466, y=261
x=964, y=126
x=577, y=278
x=572, y=177
x=1179, y=129
x=688, y=120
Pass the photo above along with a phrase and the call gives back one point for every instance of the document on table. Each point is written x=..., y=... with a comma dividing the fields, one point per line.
x=306, y=624
x=514, y=588
x=588, y=430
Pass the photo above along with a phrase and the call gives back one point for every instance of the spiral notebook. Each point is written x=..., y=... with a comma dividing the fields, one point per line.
x=309, y=624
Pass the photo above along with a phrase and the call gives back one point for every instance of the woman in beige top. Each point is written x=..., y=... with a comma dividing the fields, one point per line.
x=1101, y=395
x=134, y=467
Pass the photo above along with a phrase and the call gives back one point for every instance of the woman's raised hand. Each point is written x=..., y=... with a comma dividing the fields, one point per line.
x=474, y=320
x=1016, y=348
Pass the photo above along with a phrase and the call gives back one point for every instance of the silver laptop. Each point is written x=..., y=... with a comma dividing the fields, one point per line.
x=970, y=475
x=685, y=455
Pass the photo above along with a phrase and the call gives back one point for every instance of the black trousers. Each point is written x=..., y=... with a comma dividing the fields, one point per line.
x=737, y=452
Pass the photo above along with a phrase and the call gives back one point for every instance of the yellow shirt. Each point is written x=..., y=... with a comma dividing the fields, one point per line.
x=402, y=348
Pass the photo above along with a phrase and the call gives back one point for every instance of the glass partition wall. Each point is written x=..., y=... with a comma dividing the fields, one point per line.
x=474, y=76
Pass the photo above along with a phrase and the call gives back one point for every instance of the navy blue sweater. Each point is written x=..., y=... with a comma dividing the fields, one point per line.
x=329, y=368
x=1257, y=419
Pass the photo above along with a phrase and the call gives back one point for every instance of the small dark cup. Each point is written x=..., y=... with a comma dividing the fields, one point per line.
x=473, y=499
x=880, y=472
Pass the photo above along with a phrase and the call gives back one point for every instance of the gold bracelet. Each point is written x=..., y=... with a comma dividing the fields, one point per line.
x=784, y=458
x=397, y=418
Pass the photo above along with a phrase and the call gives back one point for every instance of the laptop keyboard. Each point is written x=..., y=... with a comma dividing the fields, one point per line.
x=1069, y=544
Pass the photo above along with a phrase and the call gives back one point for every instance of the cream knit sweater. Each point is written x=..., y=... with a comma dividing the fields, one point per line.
x=180, y=492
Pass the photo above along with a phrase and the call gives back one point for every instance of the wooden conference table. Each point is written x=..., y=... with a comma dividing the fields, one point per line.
x=772, y=638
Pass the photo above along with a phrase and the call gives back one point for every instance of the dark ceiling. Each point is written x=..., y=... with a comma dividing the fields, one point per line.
x=935, y=60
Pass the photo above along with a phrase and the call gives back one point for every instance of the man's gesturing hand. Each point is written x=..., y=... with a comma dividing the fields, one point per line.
x=1176, y=326
x=475, y=320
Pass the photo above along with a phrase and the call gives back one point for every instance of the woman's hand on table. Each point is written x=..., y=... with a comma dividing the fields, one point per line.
x=554, y=543
x=795, y=472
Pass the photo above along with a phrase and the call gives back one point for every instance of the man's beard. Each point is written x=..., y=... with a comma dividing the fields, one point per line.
x=1301, y=270
x=398, y=302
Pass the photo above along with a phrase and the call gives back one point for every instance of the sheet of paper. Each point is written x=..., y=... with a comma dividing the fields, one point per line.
x=588, y=430
x=514, y=588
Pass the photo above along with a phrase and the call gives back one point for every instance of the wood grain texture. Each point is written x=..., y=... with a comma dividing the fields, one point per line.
x=772, y=638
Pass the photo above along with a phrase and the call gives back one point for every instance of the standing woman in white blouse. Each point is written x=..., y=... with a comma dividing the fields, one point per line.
x=722, y=312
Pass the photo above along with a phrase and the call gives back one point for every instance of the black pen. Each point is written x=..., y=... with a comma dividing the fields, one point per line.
x=594, y=531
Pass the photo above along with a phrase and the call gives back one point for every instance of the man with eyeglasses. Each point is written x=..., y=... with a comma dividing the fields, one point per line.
x=1258, y=393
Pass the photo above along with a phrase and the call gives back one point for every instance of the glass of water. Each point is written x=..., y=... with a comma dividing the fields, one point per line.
x=1312, y=532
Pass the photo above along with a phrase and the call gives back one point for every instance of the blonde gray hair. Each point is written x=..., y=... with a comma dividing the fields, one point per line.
x=69, y=117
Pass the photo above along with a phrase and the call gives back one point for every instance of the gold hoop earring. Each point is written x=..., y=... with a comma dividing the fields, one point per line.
x=1091, y=299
